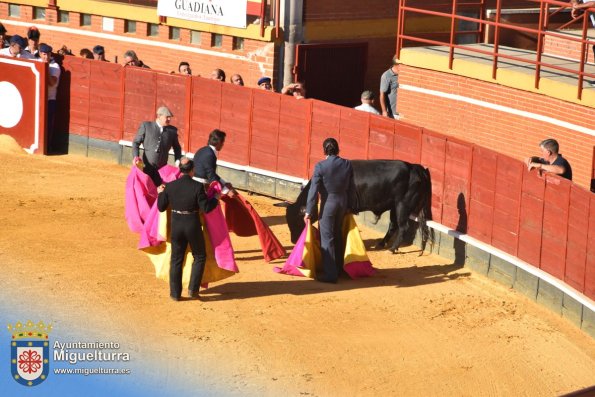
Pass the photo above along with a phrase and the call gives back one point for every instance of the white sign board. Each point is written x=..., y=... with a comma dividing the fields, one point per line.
x=217, y=12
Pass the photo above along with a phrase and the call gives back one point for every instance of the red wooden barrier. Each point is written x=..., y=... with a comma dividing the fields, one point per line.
x=264, y=145
x=173, y=90
x=483, y=191
x=590, y=266
x=507, y=203
x=555, y=225
x=433, y=156
x=576, y=251
x=353, y=130
x=140, y=99
x=457, y=176
x=105, y=100
x=326, y=121
x=205, y=112
x=381, y=138
x=407, y=142
x=294, y=137
x=236, y=106
x=79, y=70
x=531, y=224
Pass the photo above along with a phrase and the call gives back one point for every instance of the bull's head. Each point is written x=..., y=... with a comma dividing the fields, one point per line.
x=294, y=214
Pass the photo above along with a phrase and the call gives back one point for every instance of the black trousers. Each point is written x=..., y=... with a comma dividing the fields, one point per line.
x=331, y=239
x=186, y=229
x=153, y=172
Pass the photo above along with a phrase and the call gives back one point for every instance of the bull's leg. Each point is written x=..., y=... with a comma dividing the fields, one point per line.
x=402, y=224
x=390, y=232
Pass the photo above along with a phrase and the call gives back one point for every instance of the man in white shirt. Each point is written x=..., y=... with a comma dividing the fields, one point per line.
x=16, y=49
x=367, y=103
x=45, y=55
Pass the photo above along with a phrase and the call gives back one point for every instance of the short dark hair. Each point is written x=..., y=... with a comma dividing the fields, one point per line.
x=186, y=166
x=330, y=147
x=183, y=63
x=216, y=137
x=551, y=145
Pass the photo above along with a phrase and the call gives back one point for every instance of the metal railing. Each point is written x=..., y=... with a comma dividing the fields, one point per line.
x=451, y=10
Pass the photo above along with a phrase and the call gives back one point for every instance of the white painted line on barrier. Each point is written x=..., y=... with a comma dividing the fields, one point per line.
x=562, y=286
x=500, y=108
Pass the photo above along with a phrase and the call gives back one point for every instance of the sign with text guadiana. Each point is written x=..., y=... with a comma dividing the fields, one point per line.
x=217, y=12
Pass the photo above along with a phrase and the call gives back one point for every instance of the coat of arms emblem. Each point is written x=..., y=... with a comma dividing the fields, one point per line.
x=29, y=352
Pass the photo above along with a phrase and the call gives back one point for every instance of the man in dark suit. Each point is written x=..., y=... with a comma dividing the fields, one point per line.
x=157, y=137
x=333, y=179
x=186, y=198
x=205, y=163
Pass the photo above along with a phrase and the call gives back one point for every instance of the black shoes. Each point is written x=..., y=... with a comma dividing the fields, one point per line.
x=193, y=294
x=175, y=298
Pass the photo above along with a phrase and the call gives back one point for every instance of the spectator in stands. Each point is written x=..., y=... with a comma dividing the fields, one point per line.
x=64, y=51
x=297, y=90
x=237, y=79
x=367, y=103
x=218, y=74
x=3, y=38
x=33, y=36
x=16, y=48
x=131, y=59
x=265, y=83
x=45, y=54
x=99, y=53
x=184, y=68
x=578, y=6
x=86, y=53
x=389, y=83
x=551, y=161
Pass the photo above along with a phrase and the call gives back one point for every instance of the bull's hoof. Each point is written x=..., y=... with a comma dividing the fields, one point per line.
x=380, y=244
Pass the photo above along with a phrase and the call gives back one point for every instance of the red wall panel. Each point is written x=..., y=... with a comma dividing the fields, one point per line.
x=483, y=190
x=576, y=252
x=457, y=176
x=326, y=121
x=235, y=121
x=353, y=132
x=294, y=137
x=140, y=100
x=78, y=71
x=205, y=113
x=433, y=155
x=381, y=138
x=173, y=91
x=555, y=225
x=264, y=145
x=590, y=266
x=531, y=221
x=507, y=201
x=105, y=101
x=407, y=142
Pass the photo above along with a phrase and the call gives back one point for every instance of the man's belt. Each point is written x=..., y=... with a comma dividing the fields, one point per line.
x=184, y=212
x=201, y=180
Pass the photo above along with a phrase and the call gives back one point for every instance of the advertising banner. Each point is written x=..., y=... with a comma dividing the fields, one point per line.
x=217, y=12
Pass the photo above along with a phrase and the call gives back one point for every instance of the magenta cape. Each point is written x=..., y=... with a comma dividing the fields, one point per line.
x=305, y=258
x=143, y=217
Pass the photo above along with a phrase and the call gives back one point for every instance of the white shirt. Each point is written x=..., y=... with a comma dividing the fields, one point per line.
x=23, y=54
x=365, y=107
x=55, y=71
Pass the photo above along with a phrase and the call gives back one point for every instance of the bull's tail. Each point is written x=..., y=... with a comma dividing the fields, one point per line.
x=425, y=207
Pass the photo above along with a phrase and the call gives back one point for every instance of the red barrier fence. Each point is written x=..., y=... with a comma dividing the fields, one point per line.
x=547, y=222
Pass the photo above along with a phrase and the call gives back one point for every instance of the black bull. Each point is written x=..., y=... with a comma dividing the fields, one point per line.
x=382, y=185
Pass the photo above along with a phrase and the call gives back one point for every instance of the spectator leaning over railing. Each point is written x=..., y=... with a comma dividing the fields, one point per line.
x=99, y=53
x=131, y=59
x=367, y=103
x=551, y=161
x=184, y=68
x=218, y=74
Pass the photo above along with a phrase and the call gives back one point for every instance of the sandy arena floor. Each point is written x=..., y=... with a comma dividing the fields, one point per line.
x=421, y=326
